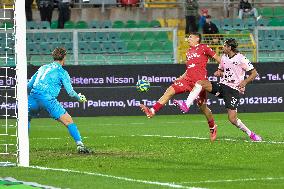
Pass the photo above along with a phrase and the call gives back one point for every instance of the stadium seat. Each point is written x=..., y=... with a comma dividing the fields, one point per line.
x=37, y=38
x=279, y=45
x=168, y=46
x=84, y=48
x=138, y=36
x=270, y=34
x=262, y=22
x=150, y=36
x=126, y=36
x=162, y=36
x=131, y=47
x=44, y=25
x=227, y=24
x=278, y=12
x=32, y=48
x=37, y=60
x=65, y=37
x=249, y=23
x=44, y=48
x=143, y=24
x=95, y=47
x=267, y=12
x=157, y=46
x=130, y=24
x=31, y=25
x=113, y=36
x=280, y=34
x=238, y=24
x=160, y=22
x=68, y=46
x=275, y=22
x=118, y=24
x=69, y=25
x=101, y=36
x=81, y=25
x=107, y=47
x=106, y=24
x=51, y=37
x=144, y=46
x=54, y=24
x=86, y=36
x=120, y=47
x=94, y=24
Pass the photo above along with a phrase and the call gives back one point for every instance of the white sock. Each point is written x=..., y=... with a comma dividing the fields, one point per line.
x=193, y=94
x=242, y=126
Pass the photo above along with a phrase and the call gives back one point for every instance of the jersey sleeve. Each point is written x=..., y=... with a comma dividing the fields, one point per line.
x=31, y=81
x=66, y=81
x=246, y=64
x=208, y=51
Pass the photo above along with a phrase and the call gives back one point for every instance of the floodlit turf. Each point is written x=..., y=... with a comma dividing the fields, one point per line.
x=162, y=152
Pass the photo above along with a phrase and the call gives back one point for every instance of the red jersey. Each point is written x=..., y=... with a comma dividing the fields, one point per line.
x=197, y=58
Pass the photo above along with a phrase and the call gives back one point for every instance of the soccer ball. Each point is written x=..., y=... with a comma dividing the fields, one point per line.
x=142, y=85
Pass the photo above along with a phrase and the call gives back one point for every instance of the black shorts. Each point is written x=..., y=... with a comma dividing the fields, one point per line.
x=231, y=96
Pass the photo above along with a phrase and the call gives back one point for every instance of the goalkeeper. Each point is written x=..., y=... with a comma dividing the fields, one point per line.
x=44, y=87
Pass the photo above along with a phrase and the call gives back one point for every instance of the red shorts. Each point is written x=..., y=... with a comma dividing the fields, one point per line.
x=184, y=85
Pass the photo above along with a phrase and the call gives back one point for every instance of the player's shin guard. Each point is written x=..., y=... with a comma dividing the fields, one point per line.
x=193, y=94
x=74, y=132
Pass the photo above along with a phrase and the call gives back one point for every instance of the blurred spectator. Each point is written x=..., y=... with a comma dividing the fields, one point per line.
x=28, y=8
x=64, y=12
x=245, y=8
x=45, y=8
x=191, y=16
x=202, y=19
x=210, y=28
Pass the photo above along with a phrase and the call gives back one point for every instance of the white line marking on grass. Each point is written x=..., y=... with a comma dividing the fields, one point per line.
x=233, y=180
x=197, y=138
x=171, y=185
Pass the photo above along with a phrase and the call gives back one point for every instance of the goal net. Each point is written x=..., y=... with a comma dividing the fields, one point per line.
x=14, y=144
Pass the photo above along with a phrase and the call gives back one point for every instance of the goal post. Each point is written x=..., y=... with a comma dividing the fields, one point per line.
x=21, y=85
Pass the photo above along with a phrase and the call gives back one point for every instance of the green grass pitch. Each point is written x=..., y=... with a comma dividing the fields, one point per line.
x=162, y=152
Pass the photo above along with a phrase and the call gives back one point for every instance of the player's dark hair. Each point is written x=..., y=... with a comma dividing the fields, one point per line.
x=59, y=53
x=197, y=34
x=232, y=43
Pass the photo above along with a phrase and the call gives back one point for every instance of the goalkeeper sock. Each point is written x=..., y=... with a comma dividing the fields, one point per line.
x=242, y=127
x=74, y=132
x=193, y=94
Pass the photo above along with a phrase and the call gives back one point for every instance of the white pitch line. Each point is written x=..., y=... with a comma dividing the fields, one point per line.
x=197, y=138
x=171, y=185
x=233, y=180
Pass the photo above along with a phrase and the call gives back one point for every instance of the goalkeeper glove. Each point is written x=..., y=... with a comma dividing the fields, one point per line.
x=82, y=98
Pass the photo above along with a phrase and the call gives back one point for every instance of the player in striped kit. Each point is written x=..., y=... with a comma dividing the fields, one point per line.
x=44, y=87
x=232, y=71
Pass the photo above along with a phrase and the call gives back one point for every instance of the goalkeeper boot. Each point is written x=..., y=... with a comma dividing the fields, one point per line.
x=83, y=149
x=255, y=137
x=182, y=105
x=213, y=133
x=147, y=111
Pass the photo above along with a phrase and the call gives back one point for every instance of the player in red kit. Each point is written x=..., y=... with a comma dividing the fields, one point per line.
x=197, y=58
